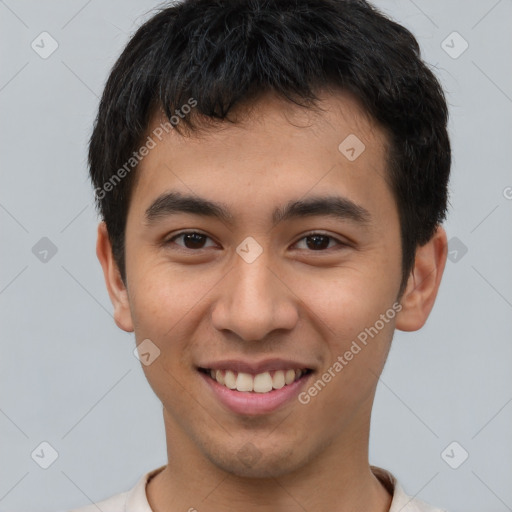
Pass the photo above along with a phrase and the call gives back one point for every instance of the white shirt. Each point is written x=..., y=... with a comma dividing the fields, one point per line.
x=135, y=500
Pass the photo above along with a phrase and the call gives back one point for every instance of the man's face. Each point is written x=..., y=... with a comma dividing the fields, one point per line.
x=288, y=293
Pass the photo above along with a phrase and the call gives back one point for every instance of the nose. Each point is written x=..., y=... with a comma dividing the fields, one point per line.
x=254, y=301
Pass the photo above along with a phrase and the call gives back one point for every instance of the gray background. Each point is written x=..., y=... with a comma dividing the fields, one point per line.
x=68, y=375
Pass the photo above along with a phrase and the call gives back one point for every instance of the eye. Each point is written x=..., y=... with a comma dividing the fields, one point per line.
x=191, y=239
x=194, y=240
x=319, y=241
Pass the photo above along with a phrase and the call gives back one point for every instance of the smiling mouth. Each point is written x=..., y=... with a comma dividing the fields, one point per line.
x=264, y=382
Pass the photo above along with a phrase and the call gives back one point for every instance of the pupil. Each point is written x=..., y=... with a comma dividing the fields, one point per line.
x=317, y=242
x=196, y=239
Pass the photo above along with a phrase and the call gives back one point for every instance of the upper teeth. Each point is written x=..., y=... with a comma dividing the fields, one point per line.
x=260, y=383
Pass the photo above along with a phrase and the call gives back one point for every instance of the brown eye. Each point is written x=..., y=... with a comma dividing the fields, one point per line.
x=319, y=241
x=316, y=242
x=191, y=240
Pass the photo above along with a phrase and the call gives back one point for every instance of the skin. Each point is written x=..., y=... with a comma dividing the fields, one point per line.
x=292, y=302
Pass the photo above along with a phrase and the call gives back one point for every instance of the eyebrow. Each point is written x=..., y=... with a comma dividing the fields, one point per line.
x=338, y=207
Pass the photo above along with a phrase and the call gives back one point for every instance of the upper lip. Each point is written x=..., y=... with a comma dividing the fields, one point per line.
x=267, y=365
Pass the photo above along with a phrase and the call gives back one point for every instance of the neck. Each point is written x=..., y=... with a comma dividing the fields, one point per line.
x=338, y=478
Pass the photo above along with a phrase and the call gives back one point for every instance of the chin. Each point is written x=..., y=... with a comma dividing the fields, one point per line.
x=253, y=460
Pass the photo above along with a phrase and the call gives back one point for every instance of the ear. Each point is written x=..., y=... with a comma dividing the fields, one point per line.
x=423, y=284
x=115, y=286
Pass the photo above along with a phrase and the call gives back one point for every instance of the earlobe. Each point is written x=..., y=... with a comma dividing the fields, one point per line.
x=115, y=286
x=423, y=284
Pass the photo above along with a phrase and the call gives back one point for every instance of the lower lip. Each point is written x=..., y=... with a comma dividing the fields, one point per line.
x=251, y=403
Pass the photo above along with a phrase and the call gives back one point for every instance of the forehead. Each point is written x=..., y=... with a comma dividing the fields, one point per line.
x=272, y=150
x=338, y=109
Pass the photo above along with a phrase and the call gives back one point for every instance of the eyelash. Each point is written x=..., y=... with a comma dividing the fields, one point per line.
x=307, y=235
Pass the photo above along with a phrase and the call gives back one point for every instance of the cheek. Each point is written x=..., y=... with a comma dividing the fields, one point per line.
x=168, y=307
x=161, y=296
x=356, y=317
x=348, y=300
x=164, y=311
